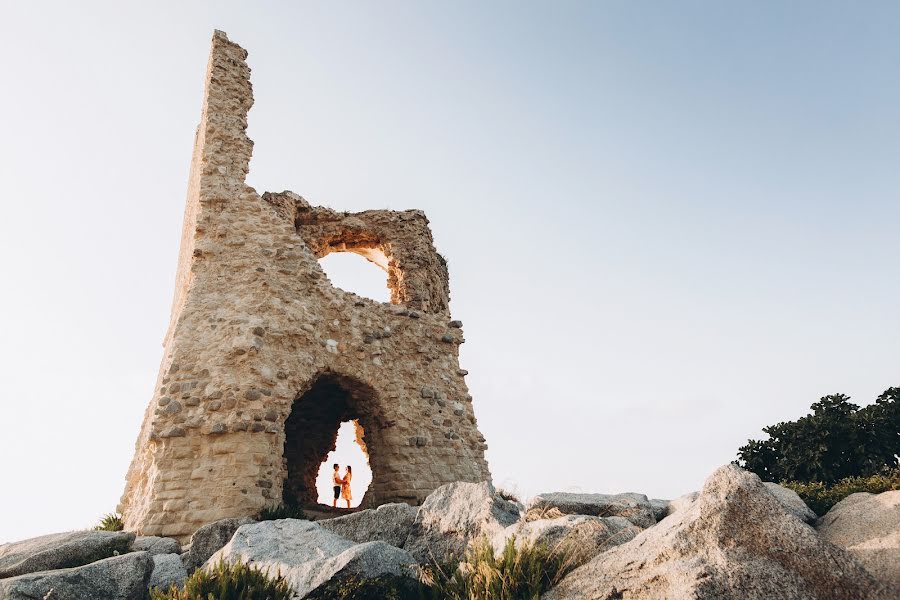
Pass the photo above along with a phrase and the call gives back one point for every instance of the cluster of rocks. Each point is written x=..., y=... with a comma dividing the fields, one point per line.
x=735, y=538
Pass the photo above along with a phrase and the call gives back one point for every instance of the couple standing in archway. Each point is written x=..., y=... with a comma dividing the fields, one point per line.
x=342, y=484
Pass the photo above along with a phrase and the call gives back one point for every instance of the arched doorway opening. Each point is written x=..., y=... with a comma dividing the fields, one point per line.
x=312, y=431
x=363, y=272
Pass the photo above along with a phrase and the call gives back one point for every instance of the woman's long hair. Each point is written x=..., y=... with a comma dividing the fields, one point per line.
x=349, y=469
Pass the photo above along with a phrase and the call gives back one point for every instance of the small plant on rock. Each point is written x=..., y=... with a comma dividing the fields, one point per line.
x=519, y=573
x=384, y=587
x=228, y=581
x=283, y=511
x=542, y=511
x=508, y=495
x=111, y=522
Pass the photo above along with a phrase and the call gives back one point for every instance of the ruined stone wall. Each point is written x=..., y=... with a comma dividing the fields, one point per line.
x=256, y=324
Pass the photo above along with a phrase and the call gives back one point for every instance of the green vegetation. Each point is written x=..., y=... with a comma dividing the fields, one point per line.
x=821, y=497
x=379, y=588
x=111, y=522
x=522, y=573
x=838, y=440
x=283, y=511
x=228, y=581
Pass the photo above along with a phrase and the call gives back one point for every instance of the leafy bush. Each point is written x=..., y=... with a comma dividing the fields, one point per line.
x=111, y=522
x=228, y=581
x=821, y=497
x=836, y=441
x=284, y=511
x=522, y=573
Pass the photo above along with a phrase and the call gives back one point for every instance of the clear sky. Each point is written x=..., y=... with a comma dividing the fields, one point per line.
x=667, y=224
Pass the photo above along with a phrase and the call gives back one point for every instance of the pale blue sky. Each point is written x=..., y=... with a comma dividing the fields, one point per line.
x=667, y=224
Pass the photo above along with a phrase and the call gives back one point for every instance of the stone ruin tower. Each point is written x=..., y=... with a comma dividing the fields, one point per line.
x=264, y=358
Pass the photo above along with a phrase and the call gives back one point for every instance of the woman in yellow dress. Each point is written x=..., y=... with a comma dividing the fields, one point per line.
x=345, y=486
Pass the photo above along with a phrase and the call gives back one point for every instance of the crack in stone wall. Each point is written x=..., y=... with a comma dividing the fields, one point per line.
x=256, y=324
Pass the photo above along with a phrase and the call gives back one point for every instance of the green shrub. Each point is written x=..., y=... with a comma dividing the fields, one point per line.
x=111, y=522
x=821, y=497
x=835, y=441
x=284, y=511
x=228, y=581
x=522, y=573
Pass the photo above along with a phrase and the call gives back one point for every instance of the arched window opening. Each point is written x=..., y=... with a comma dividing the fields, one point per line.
x=361, y=271
x=348, y=451
x=326, y=426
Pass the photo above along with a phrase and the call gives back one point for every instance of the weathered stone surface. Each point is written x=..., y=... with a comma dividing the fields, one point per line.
x=308, y=556
x=209, y=538
x=118, y=578
x=168, y=570
x=660, y=508
x=868, y=526
x=634, y=507
x=156, y=545
x=681, y=502
x=787, y=498
x=735, y=541
x=258, y=335
x=455, y=514
x=61, y=551
x=791, y=502
x=390, y=523
x=583, y=534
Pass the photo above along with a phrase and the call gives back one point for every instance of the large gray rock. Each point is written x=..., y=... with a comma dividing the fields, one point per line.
x=868, y=526
x=209, y=538
x=736, y=541
x=454, y=515
x=791, y=502
x=168, y=570
x=310, y=557
x=61, y=551
x=118, y=578
x=660, y=508
x=581, y=535
x=390, y=523
x=634, y=507
x=156, y=545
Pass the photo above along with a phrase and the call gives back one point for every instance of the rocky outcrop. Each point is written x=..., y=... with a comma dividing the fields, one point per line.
x=208, y=539
x=735, y=541
x=634, y=507
x=455, y=514
x=787, y=498
x=168, y=570
x=681, y=502
x=308, y=556
x=587, y=536
x=118, y=578
x=156, y=545
x=390, y=523
x=791, y=502
x=61, y=551
x=868, y=526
